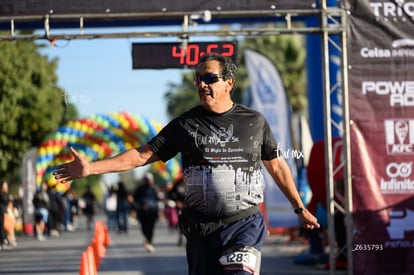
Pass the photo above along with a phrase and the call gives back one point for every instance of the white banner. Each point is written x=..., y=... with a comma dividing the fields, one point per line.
x=29, y=188
x=268, y=96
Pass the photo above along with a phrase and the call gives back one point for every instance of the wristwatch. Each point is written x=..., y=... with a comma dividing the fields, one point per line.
x=299, y=210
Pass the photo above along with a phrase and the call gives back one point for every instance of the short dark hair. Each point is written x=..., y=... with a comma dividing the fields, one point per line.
x=228, y=67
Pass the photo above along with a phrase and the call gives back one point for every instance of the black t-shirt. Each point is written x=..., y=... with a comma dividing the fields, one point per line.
x=221, y=155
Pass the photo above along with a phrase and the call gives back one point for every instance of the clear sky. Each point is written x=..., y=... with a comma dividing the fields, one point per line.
x=97, y=76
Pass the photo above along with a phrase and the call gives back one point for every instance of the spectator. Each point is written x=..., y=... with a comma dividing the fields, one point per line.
x=146, y=200
x=170, y=210
x=4, y=192
x=67, y=224
x=41, y=204
x=89, y=200
x=55, y=211
x=74, y=210
x=13, y=214
x=110, y=206
x=122, y=210
x=177, y=194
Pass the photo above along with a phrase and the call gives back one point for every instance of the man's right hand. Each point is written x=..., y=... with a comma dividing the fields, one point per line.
x=78, y=168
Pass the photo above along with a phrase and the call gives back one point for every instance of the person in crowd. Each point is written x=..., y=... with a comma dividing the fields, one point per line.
x=222, y=145
x=170, y=210
x=110, y=206
x=13, y=214
x=146, y=200
x=89, y=200
x=66, y=213
x=41, y=203
x=74, y=210
x=122, y=210
x=55, y=211
x=4, y=193
x=176, y=194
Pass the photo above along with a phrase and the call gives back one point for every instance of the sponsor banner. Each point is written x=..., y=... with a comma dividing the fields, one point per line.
x=381, y=32
x=381, y=101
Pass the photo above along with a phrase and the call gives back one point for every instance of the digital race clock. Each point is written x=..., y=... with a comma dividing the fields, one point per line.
x=174, y=55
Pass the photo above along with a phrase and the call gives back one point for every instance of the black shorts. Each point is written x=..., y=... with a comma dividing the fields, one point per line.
x=208, y=255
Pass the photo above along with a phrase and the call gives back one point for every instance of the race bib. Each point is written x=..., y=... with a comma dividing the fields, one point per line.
x=242, y=258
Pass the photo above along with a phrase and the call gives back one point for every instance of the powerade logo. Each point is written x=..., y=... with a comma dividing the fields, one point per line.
x=394, y=10
x=400, y=93
x=399, y=136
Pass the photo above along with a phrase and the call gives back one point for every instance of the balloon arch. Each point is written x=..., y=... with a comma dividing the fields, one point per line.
x=96, y=137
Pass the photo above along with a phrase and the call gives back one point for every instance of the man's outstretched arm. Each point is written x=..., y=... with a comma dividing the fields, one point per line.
x=80, y=167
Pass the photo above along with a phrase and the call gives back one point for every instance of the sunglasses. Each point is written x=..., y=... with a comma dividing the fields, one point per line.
x=207, y=78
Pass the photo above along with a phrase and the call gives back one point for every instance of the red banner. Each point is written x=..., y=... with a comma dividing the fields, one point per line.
x=381, y=87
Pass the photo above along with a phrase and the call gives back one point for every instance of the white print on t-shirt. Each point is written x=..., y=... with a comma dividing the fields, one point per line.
x=220, y=136
x=222, y=190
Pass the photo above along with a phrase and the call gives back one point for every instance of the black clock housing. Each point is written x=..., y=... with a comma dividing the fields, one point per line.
x=174, y=55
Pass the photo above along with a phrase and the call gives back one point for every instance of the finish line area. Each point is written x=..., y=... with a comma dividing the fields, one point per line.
x=126, y=254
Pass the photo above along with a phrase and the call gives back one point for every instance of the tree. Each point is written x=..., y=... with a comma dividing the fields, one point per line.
x=287, y=53
x=31, y=103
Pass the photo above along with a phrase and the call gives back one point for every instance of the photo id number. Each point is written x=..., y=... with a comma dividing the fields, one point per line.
x=368, y=247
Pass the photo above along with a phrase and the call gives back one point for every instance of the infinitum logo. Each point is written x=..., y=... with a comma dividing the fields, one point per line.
x=398, y=178
x=393, y=10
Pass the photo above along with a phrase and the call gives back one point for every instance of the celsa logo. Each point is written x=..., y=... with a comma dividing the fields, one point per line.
x=393, y=9
x=401, y=48
x=402, y=170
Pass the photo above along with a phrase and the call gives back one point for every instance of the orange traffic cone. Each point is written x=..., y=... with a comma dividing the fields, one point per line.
x=100, y=235
x=98, y=228
x=83, y=270
x=107, y=241
x=92, y=267
x=98, y=247
x=87, y=266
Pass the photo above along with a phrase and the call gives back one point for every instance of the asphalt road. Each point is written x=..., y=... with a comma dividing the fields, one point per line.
x=126, y=255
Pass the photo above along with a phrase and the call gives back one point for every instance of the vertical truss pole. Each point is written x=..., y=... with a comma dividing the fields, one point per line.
x=328, y=137
x=347, y=147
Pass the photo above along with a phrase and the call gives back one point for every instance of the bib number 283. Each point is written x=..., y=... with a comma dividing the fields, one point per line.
x=244, y=258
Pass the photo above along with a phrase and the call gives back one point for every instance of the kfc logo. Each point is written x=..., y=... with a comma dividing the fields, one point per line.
x=399, y=136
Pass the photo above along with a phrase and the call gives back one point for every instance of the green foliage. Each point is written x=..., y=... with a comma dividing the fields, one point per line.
x=181, y=97
x=31, y=103
x=286, y=52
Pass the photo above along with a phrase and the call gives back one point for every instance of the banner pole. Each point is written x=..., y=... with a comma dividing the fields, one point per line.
x=347, y=144
x=328, y=137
